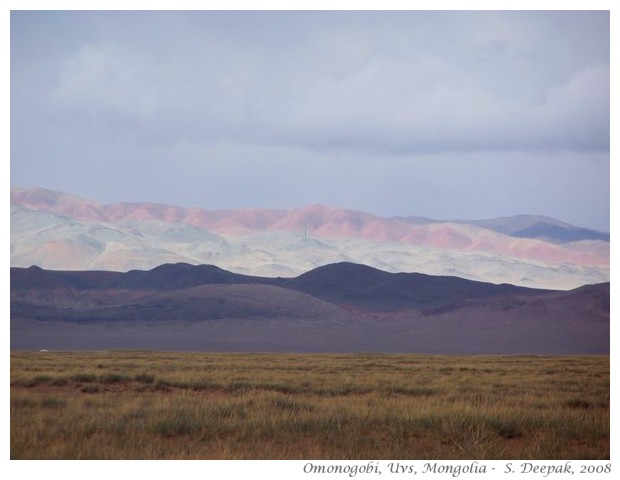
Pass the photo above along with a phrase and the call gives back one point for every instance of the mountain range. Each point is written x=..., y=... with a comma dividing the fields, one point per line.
x=340, y=307
x=58, y=231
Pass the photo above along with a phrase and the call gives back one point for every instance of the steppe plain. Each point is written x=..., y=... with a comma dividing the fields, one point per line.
x=156, y=405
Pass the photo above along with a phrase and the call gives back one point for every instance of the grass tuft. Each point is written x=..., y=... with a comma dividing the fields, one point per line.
x=114, y=378
x=90, y=388
x=53, y=402
x=144, y=378
x=579, y=403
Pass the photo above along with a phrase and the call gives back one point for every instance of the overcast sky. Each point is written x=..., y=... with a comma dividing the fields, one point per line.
x=441, y=114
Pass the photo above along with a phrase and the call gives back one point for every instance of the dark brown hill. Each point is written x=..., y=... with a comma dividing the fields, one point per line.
x=375, y=290
x=36, y=278
x=169, y=276
x=338, y=308
x=346, y=284
x=195, y=304
x=178, y=276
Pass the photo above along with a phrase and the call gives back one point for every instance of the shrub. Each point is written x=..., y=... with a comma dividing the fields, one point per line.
x=144, y=378
x=53, y=402
x=578, y=403
x=177, y=426
x=114, y=378
x=90, y=389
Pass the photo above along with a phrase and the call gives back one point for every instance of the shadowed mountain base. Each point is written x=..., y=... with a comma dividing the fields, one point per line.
x=338, y=308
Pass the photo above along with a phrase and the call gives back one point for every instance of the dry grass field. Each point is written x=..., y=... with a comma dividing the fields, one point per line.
x=147, y=405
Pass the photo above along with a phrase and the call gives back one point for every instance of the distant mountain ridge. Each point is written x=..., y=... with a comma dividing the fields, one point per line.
x=314, y=217
x=64, y=232
x=338, y=307
x=527, y=226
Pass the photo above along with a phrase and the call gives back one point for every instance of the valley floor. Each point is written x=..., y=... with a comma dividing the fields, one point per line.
x=163, y=405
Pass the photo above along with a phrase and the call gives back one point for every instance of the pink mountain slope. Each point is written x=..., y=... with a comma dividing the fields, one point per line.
x=319, y=221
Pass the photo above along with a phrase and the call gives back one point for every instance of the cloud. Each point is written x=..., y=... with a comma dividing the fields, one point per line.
x=441, y=114
x=392, y=87
x=110, y=80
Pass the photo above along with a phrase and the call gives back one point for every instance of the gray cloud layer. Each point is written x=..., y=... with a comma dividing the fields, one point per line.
x=282, y=96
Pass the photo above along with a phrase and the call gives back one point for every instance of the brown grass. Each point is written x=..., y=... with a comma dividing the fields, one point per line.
x=132, y=405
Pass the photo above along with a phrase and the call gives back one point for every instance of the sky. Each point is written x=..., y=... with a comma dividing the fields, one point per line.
x=448, y=115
